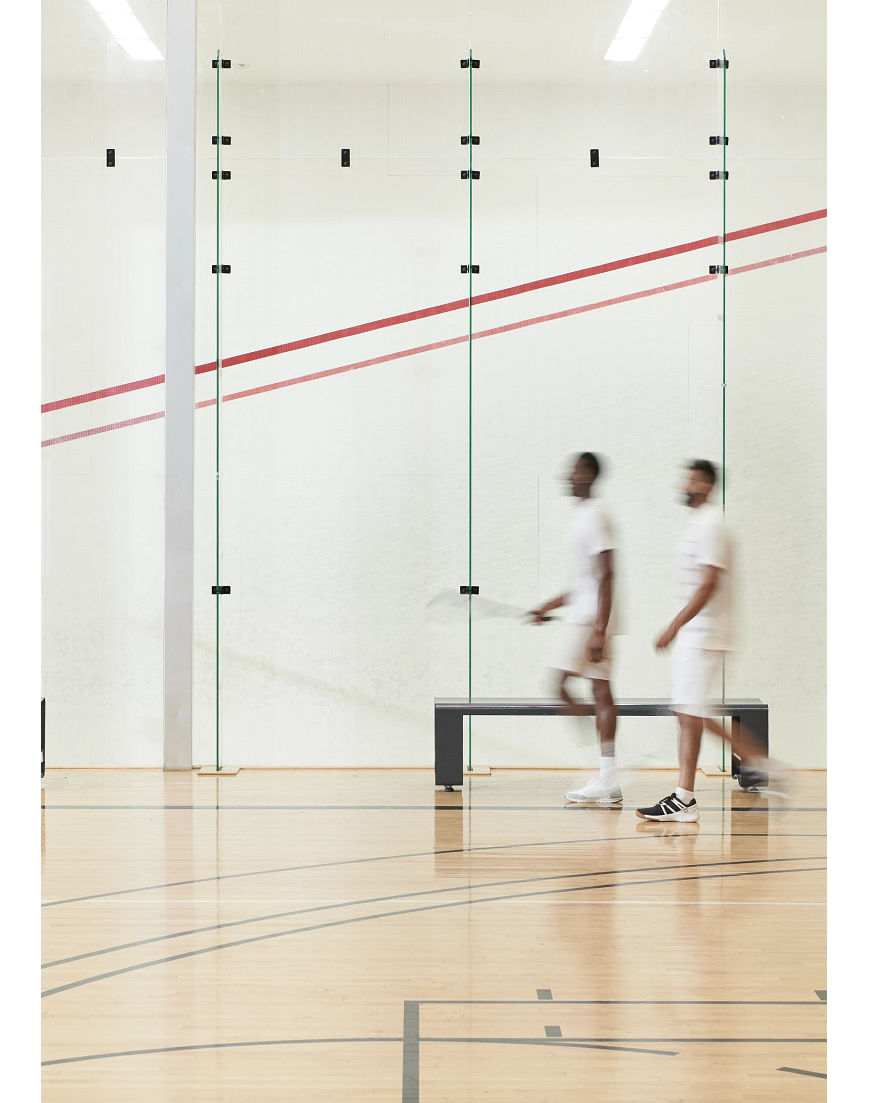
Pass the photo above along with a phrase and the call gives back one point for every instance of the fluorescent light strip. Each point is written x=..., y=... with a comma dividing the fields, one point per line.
x=127, y=30
x=635, y=30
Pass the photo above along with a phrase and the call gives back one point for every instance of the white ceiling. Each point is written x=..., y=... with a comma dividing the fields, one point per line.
x=539, y=42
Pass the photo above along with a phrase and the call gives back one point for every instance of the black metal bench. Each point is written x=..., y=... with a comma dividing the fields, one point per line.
x=449, y=711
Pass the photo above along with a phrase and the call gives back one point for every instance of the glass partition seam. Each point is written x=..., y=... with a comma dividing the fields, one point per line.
x=724, y=285
x=724, y=141
x=470, y=385
x=217, y=374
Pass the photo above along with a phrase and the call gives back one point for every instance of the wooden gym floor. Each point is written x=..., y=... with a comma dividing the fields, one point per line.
x=321, y=935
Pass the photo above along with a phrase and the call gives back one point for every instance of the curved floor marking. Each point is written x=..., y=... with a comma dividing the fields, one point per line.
x=414, y=895
x=412, y=911
x=417, y=854
x=212, y=1046
x=571, y=1043
x=339, y=862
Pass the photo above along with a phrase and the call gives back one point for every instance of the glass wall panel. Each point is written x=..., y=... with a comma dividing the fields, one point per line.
x=597, y=327
x=343, y=420
x=104, y=256
x=776, y=418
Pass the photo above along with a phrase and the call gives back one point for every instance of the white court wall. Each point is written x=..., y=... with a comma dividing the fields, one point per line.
x=103, y=255
x=344, y=499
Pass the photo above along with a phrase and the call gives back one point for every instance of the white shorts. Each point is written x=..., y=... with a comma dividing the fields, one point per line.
x=572, y=654
x=696, y=679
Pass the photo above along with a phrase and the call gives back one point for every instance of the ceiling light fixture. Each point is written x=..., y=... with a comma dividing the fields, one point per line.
x=126, y=28
x=636, y=27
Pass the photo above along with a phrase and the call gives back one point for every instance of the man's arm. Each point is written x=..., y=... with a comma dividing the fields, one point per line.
x=540, y=613
x=698, y=600
x=604, y=607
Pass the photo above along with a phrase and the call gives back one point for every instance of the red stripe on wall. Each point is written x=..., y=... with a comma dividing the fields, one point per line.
x=104, y=428
x=419, y=349
x=444, y=308
x=463, y=339
x=776, y=260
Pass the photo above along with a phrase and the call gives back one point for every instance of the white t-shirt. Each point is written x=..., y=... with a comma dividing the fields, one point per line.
x=705, y=542
x=591, y=533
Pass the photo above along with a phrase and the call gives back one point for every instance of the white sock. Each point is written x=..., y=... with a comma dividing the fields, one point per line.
x=608, y=769
x=684, y=795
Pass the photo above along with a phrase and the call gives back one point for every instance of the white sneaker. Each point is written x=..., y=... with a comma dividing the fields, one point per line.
x=595, y=793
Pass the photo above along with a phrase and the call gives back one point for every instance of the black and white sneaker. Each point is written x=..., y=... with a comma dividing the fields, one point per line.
x=671, y=808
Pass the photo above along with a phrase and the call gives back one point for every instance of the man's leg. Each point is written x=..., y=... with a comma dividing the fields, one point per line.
x=571, y=706
x=691, y=674
x=603, y=789
x=744, y=745
x=605, y=713
x=681, y=805
x=690, y=734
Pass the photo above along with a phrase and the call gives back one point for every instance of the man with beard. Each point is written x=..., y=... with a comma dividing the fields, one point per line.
x=702, y=631
x=590, y=623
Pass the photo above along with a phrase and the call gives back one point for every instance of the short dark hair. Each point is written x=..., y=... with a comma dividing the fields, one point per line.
x=590, y=460
x=706, y=469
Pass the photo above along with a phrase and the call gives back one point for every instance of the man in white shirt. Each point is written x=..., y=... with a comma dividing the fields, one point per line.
x=702, y=631
x=591, y=620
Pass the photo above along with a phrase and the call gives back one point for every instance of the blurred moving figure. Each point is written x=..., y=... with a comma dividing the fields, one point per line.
x=702, y=631
x=591, y=621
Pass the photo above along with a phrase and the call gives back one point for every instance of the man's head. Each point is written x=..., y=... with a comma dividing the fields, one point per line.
x=700, y=479
x=586, y=469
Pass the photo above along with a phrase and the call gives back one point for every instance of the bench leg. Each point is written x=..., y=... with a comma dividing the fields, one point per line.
x=448, y=748
x=757, y=723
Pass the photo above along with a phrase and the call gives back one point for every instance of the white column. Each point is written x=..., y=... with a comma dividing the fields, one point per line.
x=180, y=316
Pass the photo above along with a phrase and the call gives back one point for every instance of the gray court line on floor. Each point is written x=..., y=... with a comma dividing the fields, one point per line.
x=382, y=808
x=412, y=1040
x=620, y=1045
x=574, y=1043
x=428, y=854
x=212, y=1045
x=412, y=911
x=803, y=1072
x=413, y=895
x=410, y=1049
x=649, y=1041
x=627, y=1003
